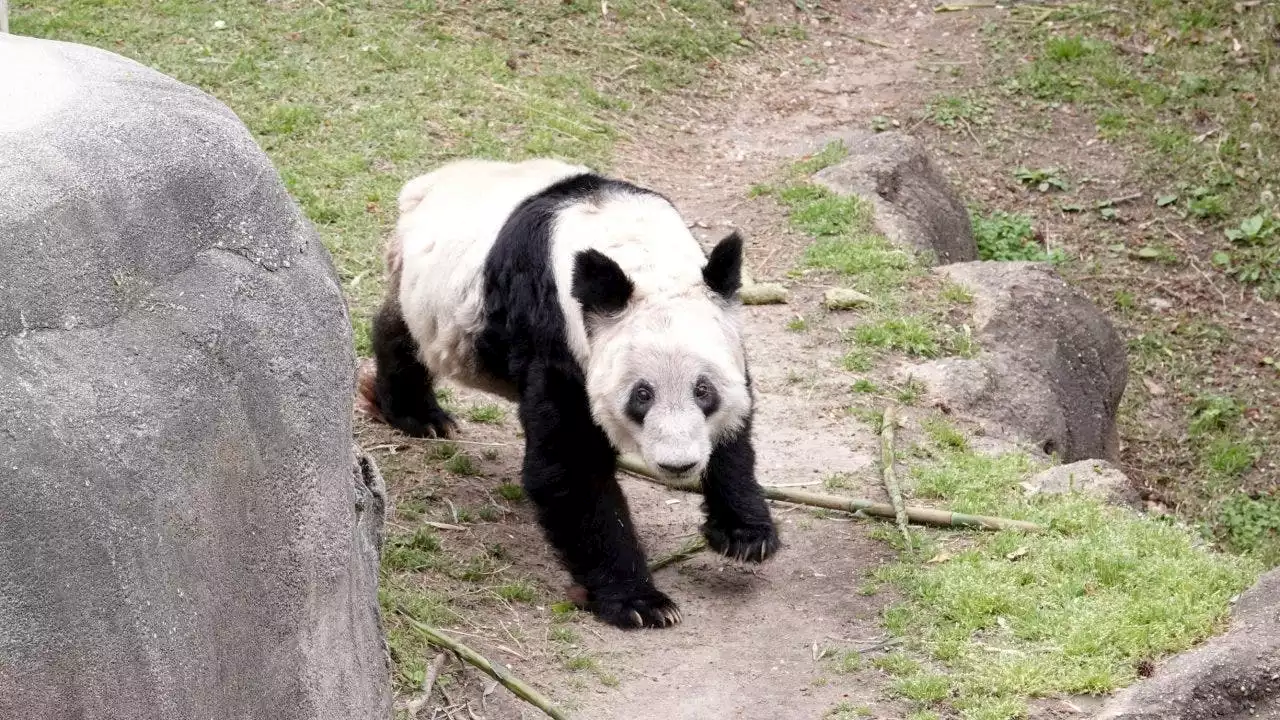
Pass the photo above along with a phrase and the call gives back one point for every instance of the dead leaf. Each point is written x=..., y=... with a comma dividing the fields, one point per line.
x=1152, y=387
x=1020, y=552
x=940, y=557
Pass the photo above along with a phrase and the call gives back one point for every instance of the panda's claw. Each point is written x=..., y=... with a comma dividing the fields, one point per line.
x=743, y=544
x=645, y=608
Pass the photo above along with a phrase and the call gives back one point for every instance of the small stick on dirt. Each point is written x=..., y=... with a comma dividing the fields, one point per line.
x=872, y=41
x=688, y=550
x=961, y=7
x=493, y=670
x=428, y=684
x=1112, y=202
x=888, y=425
x=924, y=516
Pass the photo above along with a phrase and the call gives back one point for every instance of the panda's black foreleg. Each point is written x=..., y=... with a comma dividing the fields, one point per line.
x=403, y=387
x=738, y=522
x=569, y=474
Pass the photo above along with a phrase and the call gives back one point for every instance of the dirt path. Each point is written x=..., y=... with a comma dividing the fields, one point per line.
x=751, y=639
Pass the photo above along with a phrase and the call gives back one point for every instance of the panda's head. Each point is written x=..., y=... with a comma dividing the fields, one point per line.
x=667, y=374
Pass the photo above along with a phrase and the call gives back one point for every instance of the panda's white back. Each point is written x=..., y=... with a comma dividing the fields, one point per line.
x=451, y=217
x=449, y=220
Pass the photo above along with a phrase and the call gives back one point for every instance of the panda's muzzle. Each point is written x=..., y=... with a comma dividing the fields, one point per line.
x=681, y=469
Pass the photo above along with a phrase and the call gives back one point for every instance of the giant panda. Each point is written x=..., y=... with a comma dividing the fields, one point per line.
x=587, y=301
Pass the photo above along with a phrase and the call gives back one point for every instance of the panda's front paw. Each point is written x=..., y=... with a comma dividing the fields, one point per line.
x=643, y=607
x=435, y=423
x=755, y=543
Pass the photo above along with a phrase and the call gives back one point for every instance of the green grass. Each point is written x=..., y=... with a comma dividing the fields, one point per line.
x=352, y=99
x=1252, y=525
x=846, y=244
x=517, y=591
x=955, y=112
x=511, y=492
x=1009, y=617
x=487, y=414
x=1189, y=86
x=413, y=552
x=462, y=464
x=1009, y=236
x=831, y=153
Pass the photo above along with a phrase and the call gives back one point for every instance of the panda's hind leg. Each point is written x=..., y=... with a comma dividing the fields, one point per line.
x=403, y=389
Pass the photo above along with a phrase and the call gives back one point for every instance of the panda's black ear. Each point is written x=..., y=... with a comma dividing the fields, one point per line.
x=723, y=271
x=599, y=284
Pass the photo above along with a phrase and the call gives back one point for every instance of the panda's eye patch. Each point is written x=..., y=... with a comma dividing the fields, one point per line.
x=704, y=393
x=639, y=402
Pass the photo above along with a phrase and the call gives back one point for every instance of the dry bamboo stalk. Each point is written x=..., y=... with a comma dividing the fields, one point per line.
x=889, y=424
x=924, y=516
x=493, y=670
x=687, y=551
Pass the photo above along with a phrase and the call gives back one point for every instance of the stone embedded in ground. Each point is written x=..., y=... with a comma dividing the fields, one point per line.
x=846, y=299
x=187, y=530
x=915, y=205
x=1097, y=478
x=1051, y=368
x=1235, y=676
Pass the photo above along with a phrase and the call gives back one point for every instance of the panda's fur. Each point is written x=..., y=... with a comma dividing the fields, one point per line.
x=588, y=302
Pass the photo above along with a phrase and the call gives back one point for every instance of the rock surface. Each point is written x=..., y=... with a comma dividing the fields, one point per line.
x=915, y=205
x=1051, y=368
x=1097, y=478
x=188, y=531
x=1235, y=676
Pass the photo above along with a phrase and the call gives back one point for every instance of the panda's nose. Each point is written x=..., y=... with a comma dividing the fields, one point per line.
x=677, y=469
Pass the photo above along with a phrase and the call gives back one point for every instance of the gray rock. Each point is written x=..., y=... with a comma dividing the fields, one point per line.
x=915, y=205
x=187, y=531
x=1097, y=478
x=1051, y=368
x=1235, y=676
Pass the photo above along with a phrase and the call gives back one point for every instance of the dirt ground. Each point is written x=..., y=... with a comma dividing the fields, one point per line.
x=749, y=644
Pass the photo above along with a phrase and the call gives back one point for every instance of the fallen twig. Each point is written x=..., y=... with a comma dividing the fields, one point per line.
x=888, y=425
x=686, y=551
x=493, y=670
x=428, y=683
x=961, y=7
x=924, y=516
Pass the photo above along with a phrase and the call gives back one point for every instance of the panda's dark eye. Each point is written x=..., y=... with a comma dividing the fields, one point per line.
x=704, y=393
x=639, y=402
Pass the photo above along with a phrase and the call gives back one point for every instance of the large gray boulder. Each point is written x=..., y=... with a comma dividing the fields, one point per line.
x=1051, y=369
x=915, y=205
x=187, y=531
x=1235, y=676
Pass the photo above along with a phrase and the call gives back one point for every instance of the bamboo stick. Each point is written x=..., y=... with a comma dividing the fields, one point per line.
x=888, y=424
x=923, y=516
x=688, y=550
x=493, y=670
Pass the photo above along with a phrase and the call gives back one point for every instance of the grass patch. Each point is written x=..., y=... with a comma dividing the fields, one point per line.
x=956, y=112
x=487, y=414
x=1009, y=236
x=1190, y=87
x=462, y=464
x=1008, y=617
x=1252, y=525
x=831, y=153
x=352, y=99
x=517, y=591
